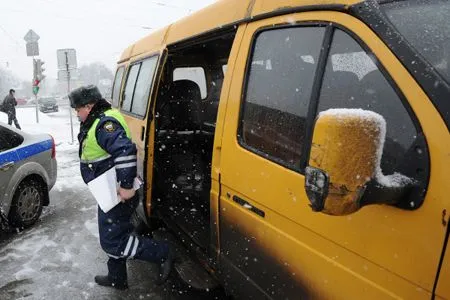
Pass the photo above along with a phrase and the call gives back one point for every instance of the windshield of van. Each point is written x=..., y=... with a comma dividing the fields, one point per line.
x=426, y=26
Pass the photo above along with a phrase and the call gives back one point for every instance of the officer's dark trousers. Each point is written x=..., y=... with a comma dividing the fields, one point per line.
x=11, y=118
x=119, y=242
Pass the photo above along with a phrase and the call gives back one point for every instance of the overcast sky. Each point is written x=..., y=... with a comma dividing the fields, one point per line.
x=99, y=30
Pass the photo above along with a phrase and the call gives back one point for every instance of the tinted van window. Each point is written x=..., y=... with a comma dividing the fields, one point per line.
x=352, y=80
x=143, y=86
x=277, y=97
x=117, y=84
x=426, y=25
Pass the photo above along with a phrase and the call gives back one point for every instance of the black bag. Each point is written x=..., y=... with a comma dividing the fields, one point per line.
x=2, y=105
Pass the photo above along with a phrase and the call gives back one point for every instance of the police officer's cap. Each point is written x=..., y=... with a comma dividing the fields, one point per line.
x=84, y=95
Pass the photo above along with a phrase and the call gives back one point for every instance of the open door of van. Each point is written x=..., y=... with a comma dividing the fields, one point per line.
x=136, y=103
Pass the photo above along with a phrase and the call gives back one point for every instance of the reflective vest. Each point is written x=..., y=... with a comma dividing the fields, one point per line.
x=91, y=150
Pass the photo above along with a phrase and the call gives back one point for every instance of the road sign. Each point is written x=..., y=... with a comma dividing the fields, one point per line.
x=64, y=75
x=67, y=59
x=32, y=49
x=31, y=36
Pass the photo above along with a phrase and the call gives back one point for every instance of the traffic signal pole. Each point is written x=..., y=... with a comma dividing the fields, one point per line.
x=68, y=92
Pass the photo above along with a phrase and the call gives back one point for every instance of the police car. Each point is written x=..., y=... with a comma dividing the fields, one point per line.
x=27, y=174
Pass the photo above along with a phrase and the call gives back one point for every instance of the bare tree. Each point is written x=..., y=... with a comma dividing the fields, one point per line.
x=7, y=81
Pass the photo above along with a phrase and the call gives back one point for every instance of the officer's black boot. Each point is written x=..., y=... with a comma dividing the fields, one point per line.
x=165, y=267
x=117, y=274
x=104, y=280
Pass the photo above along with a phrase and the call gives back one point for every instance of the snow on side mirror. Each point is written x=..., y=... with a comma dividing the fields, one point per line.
x=346, y=150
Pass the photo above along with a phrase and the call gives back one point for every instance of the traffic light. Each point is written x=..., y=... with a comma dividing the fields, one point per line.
x=39, y=69
x=37, y=74
x=36, y=86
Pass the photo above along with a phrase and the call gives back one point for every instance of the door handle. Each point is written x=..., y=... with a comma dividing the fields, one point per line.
x=142, y=133
x=249, y=207
x=7, y=166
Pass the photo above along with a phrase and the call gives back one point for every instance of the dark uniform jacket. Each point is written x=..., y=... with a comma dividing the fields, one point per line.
x=112, y=138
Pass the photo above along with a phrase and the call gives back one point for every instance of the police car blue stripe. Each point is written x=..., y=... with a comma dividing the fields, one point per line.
x=8, y=156
x=34, y=149
x=25, y=152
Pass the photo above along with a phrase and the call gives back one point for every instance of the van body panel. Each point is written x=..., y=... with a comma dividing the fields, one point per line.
x=208, y=19
x=280, y=192
x=218, y=15
x=267, y=6
x=443, y=288
x=288, y=261
x=126, y=54
x=151, y=43
x=216, y=155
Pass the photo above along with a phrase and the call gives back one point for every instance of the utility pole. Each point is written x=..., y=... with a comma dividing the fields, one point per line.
x=67, y=61
x=33, y=50
x=68, y=91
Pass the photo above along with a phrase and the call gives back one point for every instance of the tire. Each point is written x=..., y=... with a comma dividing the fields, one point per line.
x=27, y=203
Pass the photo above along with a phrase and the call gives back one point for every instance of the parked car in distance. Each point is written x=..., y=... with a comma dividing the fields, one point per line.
x=47, y=104
x=27, y=174
x=21, y=101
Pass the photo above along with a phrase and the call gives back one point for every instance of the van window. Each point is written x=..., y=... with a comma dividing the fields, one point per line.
x=352, y=80
x=116, y=88
x=426, y=26
x=280, y=80
x=195, y=74
x=138, y=86
x=143, y=86
x=129, y=87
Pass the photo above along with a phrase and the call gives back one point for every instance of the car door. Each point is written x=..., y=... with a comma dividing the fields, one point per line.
x=269, y=236
x=8, y=160
x=136, y=105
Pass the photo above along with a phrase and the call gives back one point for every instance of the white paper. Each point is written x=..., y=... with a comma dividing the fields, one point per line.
x=104, y=189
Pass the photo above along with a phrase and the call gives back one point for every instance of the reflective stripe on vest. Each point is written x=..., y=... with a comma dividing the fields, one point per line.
x=92, y=152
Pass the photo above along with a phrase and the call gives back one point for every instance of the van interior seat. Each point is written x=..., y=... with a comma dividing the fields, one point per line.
x=179, y=131
x=180, y=111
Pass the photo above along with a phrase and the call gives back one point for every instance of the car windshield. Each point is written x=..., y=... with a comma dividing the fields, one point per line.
x=426, y=26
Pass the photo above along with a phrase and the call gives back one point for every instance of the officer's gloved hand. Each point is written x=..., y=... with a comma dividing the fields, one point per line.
x=126, y=194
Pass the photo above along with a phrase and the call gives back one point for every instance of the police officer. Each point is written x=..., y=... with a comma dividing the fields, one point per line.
x=105, y=142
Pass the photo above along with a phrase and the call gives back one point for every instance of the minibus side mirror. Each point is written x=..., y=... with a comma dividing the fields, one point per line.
x=344, y=171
